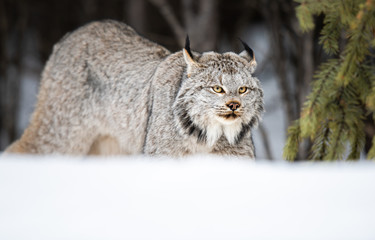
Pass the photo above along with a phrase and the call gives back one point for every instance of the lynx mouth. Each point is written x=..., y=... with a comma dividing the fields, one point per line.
x=229, y=116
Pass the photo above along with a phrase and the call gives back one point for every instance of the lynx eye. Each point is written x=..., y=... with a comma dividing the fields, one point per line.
x=218, y=89
x=242, y=90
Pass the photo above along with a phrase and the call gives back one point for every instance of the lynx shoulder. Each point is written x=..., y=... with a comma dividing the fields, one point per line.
x=107, y=90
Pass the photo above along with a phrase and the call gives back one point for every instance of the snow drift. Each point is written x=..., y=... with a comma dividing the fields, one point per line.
x=201, y=197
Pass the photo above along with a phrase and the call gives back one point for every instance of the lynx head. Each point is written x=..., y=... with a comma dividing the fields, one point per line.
x=218, y=96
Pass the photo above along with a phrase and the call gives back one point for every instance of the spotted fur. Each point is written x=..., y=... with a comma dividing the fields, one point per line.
x=107, y=90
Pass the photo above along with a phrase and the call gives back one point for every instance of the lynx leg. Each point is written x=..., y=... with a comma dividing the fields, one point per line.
x=105, y=145
x=15, y=147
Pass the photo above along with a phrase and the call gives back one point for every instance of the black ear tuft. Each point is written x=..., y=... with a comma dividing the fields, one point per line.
x=248, y=49
x=187, y=46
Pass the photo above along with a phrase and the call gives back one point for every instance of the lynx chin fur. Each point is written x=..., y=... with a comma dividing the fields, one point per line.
x=107, y=90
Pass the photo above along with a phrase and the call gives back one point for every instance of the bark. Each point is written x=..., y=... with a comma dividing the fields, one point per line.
x=274, y=20
x=136, y=14
x=195, y=13
x=10, y=80
x=3, y=73
x=205, y=16
x=266, y=142
x=169, y=15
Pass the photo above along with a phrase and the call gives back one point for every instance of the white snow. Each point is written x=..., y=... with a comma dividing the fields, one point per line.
x=200, y=197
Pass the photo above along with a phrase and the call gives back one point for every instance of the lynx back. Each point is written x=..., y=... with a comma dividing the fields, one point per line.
x=107, y=90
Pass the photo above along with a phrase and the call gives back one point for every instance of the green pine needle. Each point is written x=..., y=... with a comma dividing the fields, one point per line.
x=344, y=88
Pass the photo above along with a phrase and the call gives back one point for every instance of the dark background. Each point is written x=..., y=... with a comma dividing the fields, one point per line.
x=29, y=29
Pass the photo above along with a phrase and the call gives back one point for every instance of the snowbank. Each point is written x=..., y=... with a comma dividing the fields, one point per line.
x=195, y=198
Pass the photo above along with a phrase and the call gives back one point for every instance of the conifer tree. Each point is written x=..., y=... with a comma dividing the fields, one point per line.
x=343, y=90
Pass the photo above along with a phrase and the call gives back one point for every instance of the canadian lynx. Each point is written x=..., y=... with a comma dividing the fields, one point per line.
x=107, y=90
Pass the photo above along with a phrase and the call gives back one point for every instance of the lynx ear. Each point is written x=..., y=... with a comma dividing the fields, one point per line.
x=188, y=56
x=248, y=54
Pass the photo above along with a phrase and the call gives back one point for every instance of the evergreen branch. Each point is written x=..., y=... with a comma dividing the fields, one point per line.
x=335, y=150
x=307, y=8
x=347, y=10
x=371, y=153
x=304, y=17
x=370, y=99
x=327, y=69
x=347, y=124
x=365, y=79
x=343, y=89
x=330, y=33
x=309, y=117
x=355, y=121
x=357, y=141
x=292, y=143
x=320, y=144
x=338, y=126
x=358, y=43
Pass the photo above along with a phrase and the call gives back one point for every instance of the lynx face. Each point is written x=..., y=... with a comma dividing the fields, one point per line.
x=219, y=97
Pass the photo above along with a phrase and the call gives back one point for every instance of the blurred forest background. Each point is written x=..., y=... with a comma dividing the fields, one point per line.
x=286, y=56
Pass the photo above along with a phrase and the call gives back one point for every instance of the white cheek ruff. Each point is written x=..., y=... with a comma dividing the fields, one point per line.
x=230, y=128
x=232, y=131
x=213, y=134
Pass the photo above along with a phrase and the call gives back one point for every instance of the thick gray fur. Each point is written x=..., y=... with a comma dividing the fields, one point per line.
x=107, y=90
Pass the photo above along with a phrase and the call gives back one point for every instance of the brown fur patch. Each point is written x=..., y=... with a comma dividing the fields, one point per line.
x=105, y=145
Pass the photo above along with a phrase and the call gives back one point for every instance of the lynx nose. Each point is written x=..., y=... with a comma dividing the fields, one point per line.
x=233, y=105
